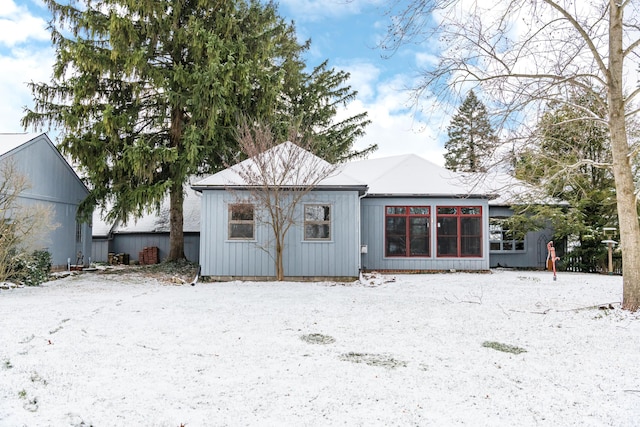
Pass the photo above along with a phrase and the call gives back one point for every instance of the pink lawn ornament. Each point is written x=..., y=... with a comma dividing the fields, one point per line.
x=551, y=258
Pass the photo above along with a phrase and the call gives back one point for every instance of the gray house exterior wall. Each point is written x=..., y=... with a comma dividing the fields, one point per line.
x=535, y=246
x=224, y=259
x=373, y=229
x=100, y=249
x=133, y=243
x=54, y=184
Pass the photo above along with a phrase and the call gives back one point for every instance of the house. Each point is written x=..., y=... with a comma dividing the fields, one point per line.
x=375, y=208
x=54, y=184
x=402, y=214
x=151, y=230
x=236, y=243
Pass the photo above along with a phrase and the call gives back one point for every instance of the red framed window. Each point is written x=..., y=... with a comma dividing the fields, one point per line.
x=459, y=231
x=407, y=231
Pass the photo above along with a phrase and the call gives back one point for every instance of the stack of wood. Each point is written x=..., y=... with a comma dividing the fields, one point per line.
x=148, y=255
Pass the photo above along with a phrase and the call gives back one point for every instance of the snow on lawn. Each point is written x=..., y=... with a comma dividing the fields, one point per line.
x=500, y=349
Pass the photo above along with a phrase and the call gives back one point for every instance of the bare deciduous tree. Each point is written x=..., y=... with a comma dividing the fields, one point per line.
x=21, y=226
x=526, y=53
x=277, y=178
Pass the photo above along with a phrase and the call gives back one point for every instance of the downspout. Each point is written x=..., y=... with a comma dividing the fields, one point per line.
x=359, y=233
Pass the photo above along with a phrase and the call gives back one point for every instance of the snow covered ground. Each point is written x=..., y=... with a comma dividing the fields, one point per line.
x=129, y=349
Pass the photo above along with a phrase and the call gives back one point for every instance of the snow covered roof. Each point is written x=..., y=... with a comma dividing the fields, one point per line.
x=308, y=168
x=410, y=175
x=11, y=141
x=508, y=190
x=153, y=222
x=99, y=226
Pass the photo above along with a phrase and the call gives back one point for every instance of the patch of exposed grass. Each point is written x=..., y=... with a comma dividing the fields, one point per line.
x=317, y=339
x=506, y=348
x=372, y=359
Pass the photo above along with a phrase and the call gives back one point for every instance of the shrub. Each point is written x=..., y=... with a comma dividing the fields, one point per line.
x=33, y=269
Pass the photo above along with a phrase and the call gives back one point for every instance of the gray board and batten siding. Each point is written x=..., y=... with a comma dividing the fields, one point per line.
x=133, y=243
x=533, y=250
x=373, y=236
x=55, y=184
x=223, y=258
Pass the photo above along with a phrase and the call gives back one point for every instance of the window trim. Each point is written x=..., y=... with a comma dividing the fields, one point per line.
x=231, y=221
x=317, y=222
x=459, y=215
x=408, y=215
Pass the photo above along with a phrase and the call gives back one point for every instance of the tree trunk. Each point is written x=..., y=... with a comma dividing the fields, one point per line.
x=279, y=262
x=176, y=220
x=176, y=193
x=622, y=171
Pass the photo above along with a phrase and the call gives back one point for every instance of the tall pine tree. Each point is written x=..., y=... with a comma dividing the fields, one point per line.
x=472, y=140
x=148, y=93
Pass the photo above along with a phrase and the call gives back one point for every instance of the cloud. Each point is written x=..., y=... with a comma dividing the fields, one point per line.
x=18, y=25
x=21, y=67
x=395, y=127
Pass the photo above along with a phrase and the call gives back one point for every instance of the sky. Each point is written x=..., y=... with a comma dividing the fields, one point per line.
x=344, y=32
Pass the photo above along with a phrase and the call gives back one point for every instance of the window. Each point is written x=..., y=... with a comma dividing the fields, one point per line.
x=459, y=231
x=317, y=222
x=78, y=232
x=407, y=231
x=501, y=238
x=241, y=222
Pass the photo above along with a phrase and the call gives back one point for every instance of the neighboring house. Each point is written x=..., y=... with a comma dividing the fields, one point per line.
x=150, y=230
x=54, y=184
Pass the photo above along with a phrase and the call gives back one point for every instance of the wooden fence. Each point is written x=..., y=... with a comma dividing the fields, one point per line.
x=579, y=264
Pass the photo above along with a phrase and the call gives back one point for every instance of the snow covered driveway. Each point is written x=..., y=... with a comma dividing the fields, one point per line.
x=128, y=349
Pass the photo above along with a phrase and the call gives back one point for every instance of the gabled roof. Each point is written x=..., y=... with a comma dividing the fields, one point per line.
x=12, y=142
x=411, y=175
x=307, y=164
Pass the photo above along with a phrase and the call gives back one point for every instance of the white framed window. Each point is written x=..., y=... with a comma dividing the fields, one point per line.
x=242, y=223
x=317, y=222
x=501, y=238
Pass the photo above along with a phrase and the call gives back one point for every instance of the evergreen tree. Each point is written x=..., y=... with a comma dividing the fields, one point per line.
x=315, y=102
x=471, y=137
x=570, y=159
x=148, y=93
